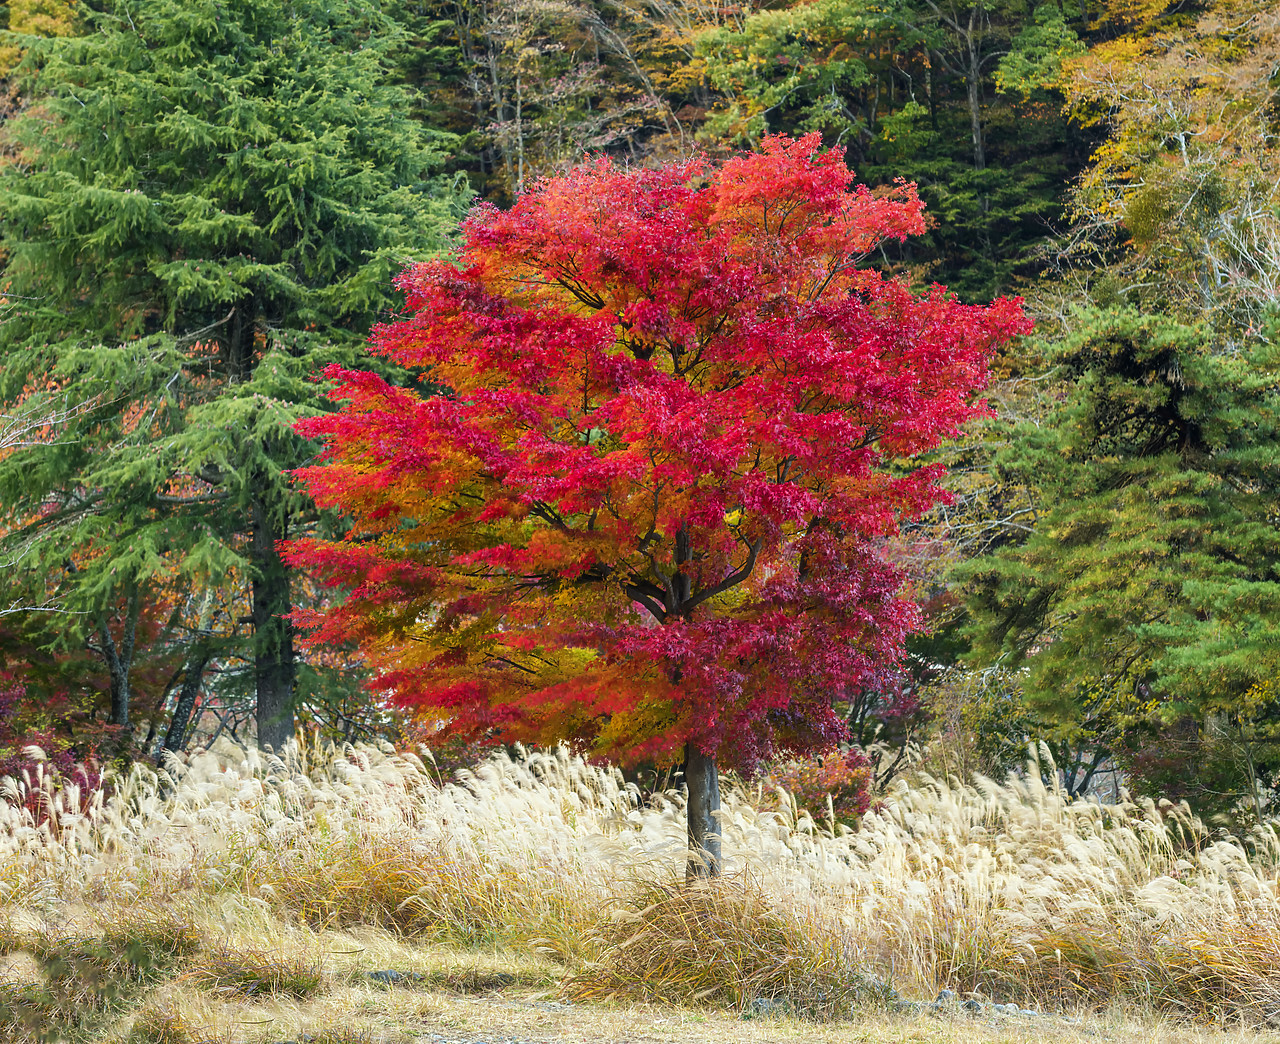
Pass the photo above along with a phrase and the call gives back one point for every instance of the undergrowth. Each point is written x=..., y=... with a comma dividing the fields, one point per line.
x=1008, y=891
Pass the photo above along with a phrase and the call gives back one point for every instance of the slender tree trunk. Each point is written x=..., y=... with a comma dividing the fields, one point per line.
x=702, y=779
x=973, y=87
x=274, y=663
x=176, y=737
x=120, y=657
x=519, y=123
x=201, y=652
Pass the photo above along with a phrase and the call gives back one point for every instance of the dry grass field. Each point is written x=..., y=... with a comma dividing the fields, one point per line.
x=354, y=896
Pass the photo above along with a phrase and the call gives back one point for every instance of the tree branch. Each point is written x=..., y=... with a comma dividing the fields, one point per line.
x=732, y=580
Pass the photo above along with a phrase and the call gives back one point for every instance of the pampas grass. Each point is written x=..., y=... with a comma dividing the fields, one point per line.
x=1006, y=890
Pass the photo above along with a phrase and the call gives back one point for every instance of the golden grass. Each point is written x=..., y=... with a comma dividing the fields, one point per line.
x=162, y=1024
x=1006, y=891
x=256, y=973
x=724, y=943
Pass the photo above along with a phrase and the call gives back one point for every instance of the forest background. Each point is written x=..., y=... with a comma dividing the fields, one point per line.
x=204, y=204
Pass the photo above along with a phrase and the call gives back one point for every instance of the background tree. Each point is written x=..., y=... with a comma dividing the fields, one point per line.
x=1177, y=211
x=210, y=203
x=530, y=86
x=34, y=18
x=1149, y=590
x=1174, y=216
x=962, y=98
x=643, y=512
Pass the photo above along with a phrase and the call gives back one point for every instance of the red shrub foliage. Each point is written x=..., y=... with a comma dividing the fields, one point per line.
x=44, y=722
x=845, y=777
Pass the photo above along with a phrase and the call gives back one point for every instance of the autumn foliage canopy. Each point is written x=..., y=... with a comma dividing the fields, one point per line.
x=661, y=424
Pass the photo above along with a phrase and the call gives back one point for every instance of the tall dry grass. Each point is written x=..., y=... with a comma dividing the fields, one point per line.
x=1005, y=889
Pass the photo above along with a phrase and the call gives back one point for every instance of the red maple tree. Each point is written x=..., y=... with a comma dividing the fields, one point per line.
x=635, y=496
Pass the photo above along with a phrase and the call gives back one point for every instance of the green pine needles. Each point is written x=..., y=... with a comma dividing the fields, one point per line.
x=1149, y=590
x=209, y=204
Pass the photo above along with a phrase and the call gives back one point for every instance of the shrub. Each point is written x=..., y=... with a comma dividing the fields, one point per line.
x=843, y=778
x=47, y=745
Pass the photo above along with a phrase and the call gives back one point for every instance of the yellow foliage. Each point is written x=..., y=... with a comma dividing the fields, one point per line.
x=38, y=18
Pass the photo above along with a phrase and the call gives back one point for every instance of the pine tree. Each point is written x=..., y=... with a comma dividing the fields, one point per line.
x=212, y=199
x=1149, y=590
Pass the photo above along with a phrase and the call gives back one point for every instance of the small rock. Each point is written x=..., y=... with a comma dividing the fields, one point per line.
x=972, y=1006
x=387, y=977
x=1028, y=1011
x=766, y=1007
x=914, y=1007
x=945, y=997
x=552, y=1005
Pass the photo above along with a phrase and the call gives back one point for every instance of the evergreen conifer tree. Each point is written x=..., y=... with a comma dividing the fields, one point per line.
x=1149, y=589
x=212, y=200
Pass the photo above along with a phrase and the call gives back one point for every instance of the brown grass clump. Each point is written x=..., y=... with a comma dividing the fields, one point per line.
x=725, y=944
x=424, y=889
x=162, y=1024
x=255, y=974
x=1213, y=975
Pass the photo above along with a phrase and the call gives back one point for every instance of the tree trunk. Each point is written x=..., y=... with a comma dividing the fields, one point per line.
x=973, y=88
x=702, y=779
x=274, y=665
x=118, y=671
x=176, y=737
x=120, y=657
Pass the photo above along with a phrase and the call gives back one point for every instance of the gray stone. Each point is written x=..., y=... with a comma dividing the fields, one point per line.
x=913, y=1007
x=766, y=1007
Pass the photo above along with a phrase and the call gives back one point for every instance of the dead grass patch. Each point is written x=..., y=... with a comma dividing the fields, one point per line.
x=422, y=890
x=256, y=973
x=723, y=944
x=163, y=1023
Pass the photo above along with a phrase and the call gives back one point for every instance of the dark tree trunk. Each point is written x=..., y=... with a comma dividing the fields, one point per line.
x=274, y=664
x=120, y=657
x=702, y=779
x=118, y=669
x=701, y=776
x=176, y=737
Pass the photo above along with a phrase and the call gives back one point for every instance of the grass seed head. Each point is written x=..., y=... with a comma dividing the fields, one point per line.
x=1007, y=889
